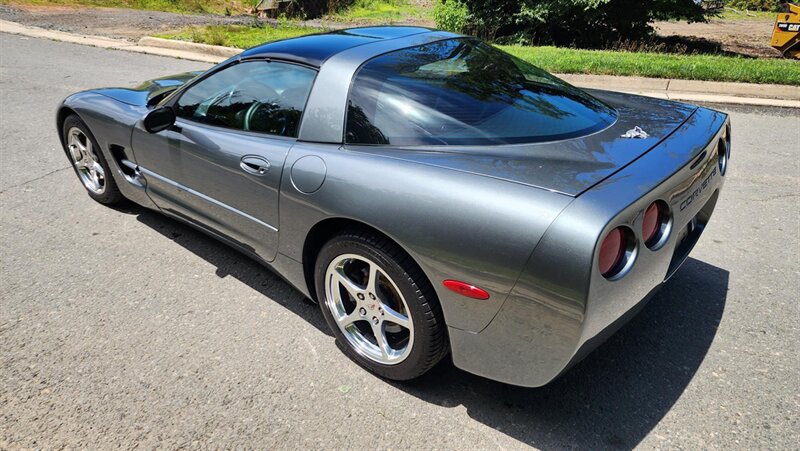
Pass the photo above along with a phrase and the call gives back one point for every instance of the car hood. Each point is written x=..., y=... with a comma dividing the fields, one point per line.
x=570, y=166
x=150, y=90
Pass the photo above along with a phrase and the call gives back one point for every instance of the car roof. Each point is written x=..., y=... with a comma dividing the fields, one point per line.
x=315, y=49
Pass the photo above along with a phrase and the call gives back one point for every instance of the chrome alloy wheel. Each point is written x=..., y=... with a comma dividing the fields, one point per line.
x=369, y=309
x=83, y=157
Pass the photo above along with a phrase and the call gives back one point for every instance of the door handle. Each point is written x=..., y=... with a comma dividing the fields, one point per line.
x=254, y=165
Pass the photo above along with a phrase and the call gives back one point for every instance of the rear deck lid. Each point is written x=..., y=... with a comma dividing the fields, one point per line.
x=569, y=166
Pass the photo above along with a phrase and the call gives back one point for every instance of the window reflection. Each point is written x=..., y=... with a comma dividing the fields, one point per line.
x=463, y=91
x=258, y=96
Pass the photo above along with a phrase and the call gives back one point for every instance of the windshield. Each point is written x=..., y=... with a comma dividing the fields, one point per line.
x=465, y=92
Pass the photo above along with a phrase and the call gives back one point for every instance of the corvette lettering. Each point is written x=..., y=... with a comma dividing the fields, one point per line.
x=699, y=190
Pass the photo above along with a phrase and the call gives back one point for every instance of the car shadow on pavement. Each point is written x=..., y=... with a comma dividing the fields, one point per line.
x=611, y=400
x=230, y=262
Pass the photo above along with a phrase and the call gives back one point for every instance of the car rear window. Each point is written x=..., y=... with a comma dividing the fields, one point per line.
x=465, y=92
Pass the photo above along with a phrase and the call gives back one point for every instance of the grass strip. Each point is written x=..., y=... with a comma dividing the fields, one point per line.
x=661, y=65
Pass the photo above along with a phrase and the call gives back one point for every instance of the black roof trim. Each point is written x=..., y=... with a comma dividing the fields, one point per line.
x=314, y=49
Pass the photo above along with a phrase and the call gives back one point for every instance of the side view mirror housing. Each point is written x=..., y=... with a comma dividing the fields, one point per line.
x=159, y=119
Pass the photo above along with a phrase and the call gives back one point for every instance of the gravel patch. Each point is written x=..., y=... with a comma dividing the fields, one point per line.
x=128, y=24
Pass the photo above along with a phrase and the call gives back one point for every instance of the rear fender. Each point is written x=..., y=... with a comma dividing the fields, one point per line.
x=455, y=225
x=561, y=301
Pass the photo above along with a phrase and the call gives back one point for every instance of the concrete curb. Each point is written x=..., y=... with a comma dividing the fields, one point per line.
x=683, y=90
x=641, y=84
x=103, y=42
x=214, y=50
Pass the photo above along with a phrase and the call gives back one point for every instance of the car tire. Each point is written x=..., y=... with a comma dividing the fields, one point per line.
x=89, y=163
x=403, y=295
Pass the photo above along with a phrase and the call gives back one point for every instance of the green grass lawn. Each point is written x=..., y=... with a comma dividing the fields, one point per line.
x=658, y=65
x=381, y=11
x=241, y=36
x=552, y=59
x=735, y=14
x=179, y=6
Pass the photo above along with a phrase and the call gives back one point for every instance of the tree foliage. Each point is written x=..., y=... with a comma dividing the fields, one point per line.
x=451, y=15
x=584, y=23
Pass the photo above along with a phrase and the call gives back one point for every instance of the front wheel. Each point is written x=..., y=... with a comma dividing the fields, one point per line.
x=89, y=163
x=380, y=306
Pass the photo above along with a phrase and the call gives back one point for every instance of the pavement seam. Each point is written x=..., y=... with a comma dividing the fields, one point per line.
x=20, y=185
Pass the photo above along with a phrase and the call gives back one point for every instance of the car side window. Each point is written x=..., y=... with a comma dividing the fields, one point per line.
x=258, y=96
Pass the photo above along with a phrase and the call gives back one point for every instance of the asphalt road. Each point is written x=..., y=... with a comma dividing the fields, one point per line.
x=121, y=327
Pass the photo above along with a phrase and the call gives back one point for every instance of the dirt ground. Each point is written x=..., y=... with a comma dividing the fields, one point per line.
x=745, y=37
x=129, y=24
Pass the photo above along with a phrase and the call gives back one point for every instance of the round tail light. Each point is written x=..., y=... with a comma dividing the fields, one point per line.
x=615, y=252
x=655, y=224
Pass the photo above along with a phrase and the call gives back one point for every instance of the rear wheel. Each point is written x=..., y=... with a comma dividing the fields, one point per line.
x=380, y=305
x=89, y=163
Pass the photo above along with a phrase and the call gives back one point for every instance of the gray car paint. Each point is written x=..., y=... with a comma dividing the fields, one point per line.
x=142, y=94
x=570, y=166
x=561, y=301
x=529, y=237
x=195, y=171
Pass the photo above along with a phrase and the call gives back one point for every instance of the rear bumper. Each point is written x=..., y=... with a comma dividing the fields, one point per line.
x=683, y=246
x=561, y=307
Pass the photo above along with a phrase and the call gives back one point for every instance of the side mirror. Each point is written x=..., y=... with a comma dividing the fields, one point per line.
x=159, y=119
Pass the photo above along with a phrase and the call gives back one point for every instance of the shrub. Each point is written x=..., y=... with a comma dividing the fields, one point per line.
x=311, y=9
x=755, y=5
x=583, y=23
x=451, y=15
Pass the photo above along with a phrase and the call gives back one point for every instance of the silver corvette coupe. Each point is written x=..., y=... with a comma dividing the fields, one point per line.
x=434, y=195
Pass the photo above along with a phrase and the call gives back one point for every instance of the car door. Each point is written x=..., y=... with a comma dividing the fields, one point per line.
x=220, y=165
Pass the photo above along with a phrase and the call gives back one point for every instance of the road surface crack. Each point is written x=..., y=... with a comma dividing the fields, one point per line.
x=20, y=185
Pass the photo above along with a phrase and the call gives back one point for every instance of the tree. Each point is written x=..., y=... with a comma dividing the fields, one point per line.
x=583, y=23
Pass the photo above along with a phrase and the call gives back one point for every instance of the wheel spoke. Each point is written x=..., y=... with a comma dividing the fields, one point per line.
x=94, y=175
x=372, y=281
x=76, y=148
x=393, y=316
x=87, y=150
x=380, y=338
x=73, y=140
x=348, y=284
x=347, y=320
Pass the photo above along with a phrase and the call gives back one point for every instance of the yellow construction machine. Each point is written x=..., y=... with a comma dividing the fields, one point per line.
x=786, y=34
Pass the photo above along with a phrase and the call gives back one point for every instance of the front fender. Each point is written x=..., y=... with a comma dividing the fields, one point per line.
x=111, y=123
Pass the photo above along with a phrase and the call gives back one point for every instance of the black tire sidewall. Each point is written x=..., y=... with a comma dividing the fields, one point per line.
x=418, y=361
x=111, y=195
